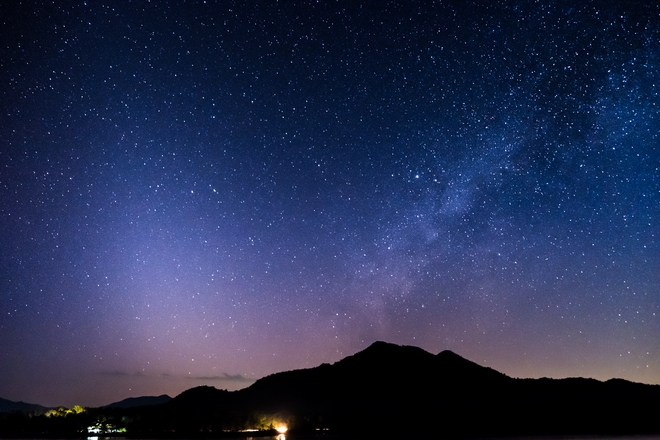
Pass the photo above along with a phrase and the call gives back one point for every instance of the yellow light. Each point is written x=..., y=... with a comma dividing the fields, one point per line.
x=281, y=429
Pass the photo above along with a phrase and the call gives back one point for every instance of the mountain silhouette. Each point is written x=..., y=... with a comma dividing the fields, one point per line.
x=133, y=402
x=388, y=389
x=391, y=390
x=7, y=406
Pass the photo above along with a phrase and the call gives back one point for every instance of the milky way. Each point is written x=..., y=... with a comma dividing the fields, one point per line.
x=210, y=192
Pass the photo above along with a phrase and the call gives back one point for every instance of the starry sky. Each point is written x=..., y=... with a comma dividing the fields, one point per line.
x=208, y=192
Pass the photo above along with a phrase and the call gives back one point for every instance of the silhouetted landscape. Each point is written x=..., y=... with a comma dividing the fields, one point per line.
x=385, y=390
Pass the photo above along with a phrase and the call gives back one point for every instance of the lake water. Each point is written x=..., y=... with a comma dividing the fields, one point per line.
x=413, y=437
x=331, y=437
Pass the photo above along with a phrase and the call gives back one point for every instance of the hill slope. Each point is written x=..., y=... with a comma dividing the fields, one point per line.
x=133, y=402
x=7, y=406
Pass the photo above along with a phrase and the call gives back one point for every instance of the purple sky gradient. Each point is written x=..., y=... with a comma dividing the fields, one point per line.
x=213, y=192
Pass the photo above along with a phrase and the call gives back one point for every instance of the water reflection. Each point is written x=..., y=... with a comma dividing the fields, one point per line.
x=576, y=437
x=276, y=437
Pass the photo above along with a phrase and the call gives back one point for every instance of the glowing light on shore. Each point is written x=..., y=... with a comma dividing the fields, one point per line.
x=281, y=429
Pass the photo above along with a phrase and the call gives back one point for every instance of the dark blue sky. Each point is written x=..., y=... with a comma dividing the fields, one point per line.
x=209, y=192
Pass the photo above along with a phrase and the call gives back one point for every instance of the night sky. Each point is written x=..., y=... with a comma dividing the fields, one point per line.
x=210, y=192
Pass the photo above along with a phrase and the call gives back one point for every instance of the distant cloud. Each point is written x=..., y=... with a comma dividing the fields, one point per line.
x=224, y=377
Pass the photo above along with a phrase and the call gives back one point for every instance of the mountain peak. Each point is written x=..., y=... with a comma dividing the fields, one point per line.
x=205, y=394
x=381, y=344
x=386, y=354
